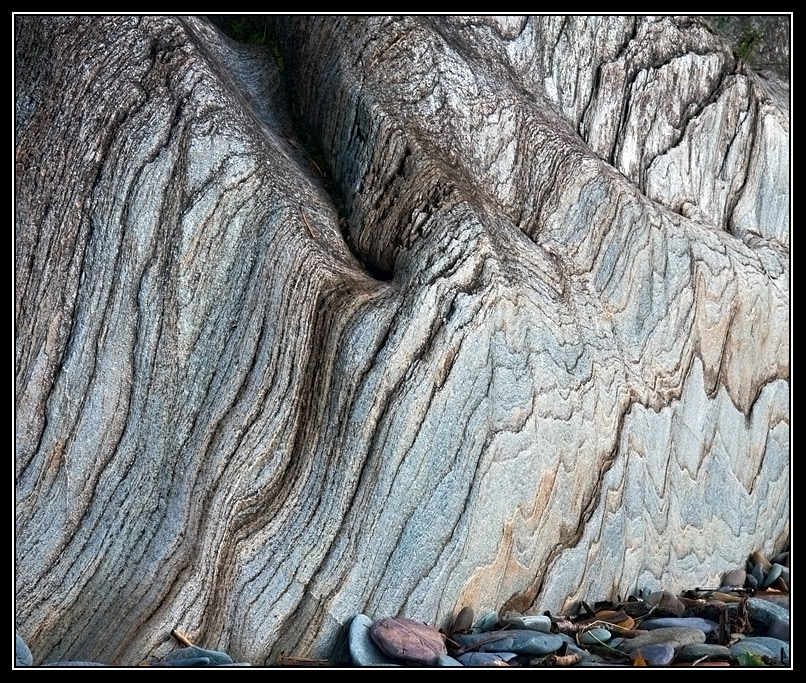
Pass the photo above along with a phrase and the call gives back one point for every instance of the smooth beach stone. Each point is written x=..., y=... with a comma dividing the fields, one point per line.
x=764, y=612
x=486, y=658
x=758, y=559
x=486, y=622
x=781, y=558
x=194, y=656
x=772, y=574
x=408, y=639
x=751, y=582
x=690, y=653
x=363, y=649
x=595, y=636
x=704, y=625
x=780, y=648
x=659, y=654
x=675, y=636
x=521, y=641
x=536, y=623
x=735, y=578
x=463, y=621
x=668, y=602
x=755, y=648
x=447, y=660
x=22, y=655
x=780, y=630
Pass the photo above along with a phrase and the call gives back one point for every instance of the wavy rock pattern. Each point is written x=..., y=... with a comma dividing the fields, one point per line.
x=529, y=335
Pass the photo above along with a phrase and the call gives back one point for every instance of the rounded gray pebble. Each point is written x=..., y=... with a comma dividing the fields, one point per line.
x=486, y=622
x=735, y=578
x=689, y=653
x=485, y=658
x=704, y=625
x=595, y=636
x=774, y=573
x=195, y=656
x=779, y=648
x=755, y=648
x=659, y=654
x=535, y=623
x=764, y=612
x=779, y=629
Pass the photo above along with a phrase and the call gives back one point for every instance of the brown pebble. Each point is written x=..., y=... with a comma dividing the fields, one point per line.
x=463, y=621
x=735, y=577
x=758, y=558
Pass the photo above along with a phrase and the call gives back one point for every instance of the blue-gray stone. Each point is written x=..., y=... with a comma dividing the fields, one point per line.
x=22, y=655
x=521, y=641
x=595, y=636
x=675, y=636
x=73, y=663
x=779, y=629
x=690, y=653
x=764, y=612
x=755, y=648
x=758, y=573
x=486, y=658
x=779, y=648
x=659, y=654
x=751, y=582
x=774, y=573
x=195, y=656
x=447, y=660
x=704, y=625
x=486, y=622
x=535, y=623
x=363, y=649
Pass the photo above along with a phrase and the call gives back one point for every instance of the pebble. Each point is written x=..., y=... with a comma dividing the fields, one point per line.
x=520, y=641
x=447, y=660
x=690, y=653
x=756, y=648
x=363, y=649
x=463, y=621
x=780, y=630
x=772, y=574
x=780, y=648
x=407, y=639
x=486, y=622
x=486, y=658
x=764, y=613
x=704, y=625
x=735, y=578
x=197, y=656
x=668, y=602
x=660, y=654
x=675, y=636
x=595, y=636
x=536, y=623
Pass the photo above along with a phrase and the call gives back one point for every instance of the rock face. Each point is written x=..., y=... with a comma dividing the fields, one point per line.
x=396, y=316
